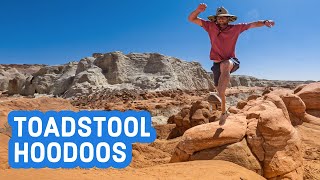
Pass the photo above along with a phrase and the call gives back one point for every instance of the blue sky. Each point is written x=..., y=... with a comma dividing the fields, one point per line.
x=59, y=31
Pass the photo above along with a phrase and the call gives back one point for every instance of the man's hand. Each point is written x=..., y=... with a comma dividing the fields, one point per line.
x=269, y=23
x=202, y=7
x=193, y=17
x=261, y=23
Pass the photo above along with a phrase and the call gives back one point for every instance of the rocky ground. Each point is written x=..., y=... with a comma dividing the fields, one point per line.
x=273, y=128
x=160, y=103
x=149, y=160
x=153, y=160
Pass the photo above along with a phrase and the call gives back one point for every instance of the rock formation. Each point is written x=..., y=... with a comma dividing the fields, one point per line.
x=148, y=71
x=116, y=71
x=13, y=76
x=260, y=134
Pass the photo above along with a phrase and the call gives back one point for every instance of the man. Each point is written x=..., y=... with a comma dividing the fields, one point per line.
x=223, y=37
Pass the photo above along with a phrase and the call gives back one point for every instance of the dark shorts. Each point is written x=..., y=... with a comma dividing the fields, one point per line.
x=216, y=69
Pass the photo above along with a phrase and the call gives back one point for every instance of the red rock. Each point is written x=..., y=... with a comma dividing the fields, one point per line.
x=294, y=104
x=310, y=95
x=241, y=104
x=210, y=135
x=253, y=97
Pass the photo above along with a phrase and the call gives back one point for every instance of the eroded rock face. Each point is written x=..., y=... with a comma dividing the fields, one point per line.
x=114, y=71
x=238, y=153
x=277, y=100
x=296, y=108
x=17, y=74
x=272, y=138
x=53, y=79
x=292, y=105
x=295, y=105
x=210, y=135
x=249, y=81
x=198, y=113
x=310, y=95
x=265, y=124
x=15, y=85
x=282, y=145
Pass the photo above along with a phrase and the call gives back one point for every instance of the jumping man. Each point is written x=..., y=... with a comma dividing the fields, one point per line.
x=223, y=37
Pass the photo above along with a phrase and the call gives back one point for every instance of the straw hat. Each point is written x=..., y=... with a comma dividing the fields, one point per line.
x=221, y=11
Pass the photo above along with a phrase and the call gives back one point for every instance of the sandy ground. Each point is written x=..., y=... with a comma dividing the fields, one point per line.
x=217, y=170
x=310, y=136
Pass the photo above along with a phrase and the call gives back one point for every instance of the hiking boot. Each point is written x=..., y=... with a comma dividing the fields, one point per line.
x=214, y=100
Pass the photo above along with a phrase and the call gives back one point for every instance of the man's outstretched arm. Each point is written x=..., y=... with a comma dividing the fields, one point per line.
x=268, y=23
x=193, y=17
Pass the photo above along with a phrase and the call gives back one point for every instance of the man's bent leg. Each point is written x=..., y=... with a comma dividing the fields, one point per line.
x=214, y=98
x=225, y=68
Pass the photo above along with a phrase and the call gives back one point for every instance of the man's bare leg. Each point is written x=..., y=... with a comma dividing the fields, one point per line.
x=214, y=99
x=225, y=68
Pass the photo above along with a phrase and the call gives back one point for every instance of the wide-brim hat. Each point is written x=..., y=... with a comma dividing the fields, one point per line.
x=221, y=11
